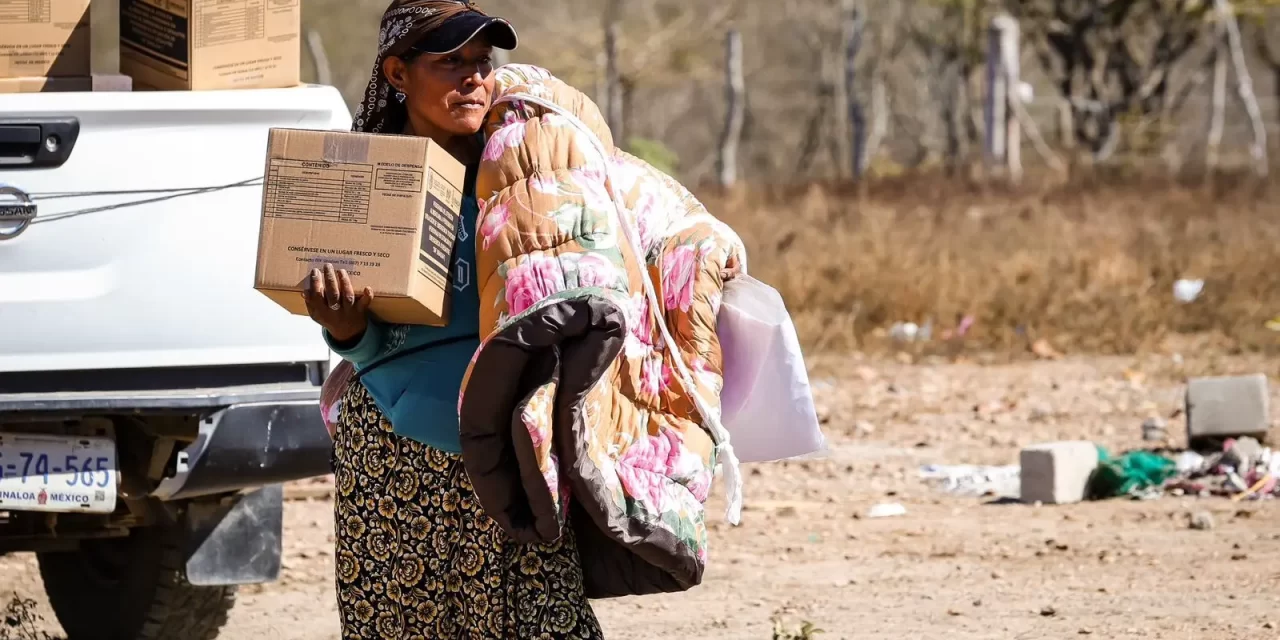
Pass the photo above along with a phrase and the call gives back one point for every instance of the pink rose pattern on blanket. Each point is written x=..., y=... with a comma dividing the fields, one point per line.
x=549, y=230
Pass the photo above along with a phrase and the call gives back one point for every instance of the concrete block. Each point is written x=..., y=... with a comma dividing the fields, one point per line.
x=1057, y=472
x=1228, y=407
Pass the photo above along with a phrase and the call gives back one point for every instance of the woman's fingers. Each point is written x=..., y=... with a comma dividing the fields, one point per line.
x=332, y=291
x=366, y=299
x=316, y=290
x=348, y=291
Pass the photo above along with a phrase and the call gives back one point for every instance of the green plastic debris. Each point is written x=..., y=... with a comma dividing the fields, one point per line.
x=1129, y=473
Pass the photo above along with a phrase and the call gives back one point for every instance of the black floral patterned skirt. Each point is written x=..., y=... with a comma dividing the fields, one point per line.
x=417, y=557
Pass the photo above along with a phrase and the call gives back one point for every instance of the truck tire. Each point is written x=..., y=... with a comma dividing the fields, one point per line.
x=132, y=589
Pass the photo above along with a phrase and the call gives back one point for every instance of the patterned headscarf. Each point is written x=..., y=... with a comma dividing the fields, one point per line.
x=404, y=24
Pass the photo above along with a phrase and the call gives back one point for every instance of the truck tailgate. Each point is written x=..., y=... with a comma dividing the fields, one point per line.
x=143, y=250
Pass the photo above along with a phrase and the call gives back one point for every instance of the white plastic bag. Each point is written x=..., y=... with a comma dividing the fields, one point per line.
x=766, y=404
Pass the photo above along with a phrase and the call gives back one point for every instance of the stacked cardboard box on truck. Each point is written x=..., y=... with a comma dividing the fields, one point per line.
x=41, y=38
x=45, y=45
x=211, y=44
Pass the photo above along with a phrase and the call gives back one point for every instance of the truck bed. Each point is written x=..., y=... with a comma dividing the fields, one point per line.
x=143, y=249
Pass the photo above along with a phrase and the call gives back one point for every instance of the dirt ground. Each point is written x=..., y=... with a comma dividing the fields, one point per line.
x=951, y=566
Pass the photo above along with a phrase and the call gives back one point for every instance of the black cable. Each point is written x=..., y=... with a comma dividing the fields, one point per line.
x=172, y=194
x=59, y=195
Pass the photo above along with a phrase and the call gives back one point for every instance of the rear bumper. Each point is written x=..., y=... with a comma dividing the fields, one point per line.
x=246, y=446
x=249, y=441
x=157, y=401
x=249, y=435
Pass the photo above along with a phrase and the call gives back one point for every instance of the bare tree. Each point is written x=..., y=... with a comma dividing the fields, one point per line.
x=735, y=97
x=853, y=28
x=950, y=34
x=1265, y=34
x=1111, y=57
x=1244, y=85
x=1218, y=103
x=611, y=100
x=1133, y=75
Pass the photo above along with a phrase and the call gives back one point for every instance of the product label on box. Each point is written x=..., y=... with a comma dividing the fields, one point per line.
x=25, y=12
x=156, y=36
x=228, y=22
x=318, y=191
x=439, y=229
x=44, y=38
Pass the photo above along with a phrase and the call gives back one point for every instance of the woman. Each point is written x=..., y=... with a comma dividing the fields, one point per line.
x=416, y=556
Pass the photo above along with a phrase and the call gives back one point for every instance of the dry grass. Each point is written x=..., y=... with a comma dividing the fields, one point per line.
x=20, y=621
x=1089, y=266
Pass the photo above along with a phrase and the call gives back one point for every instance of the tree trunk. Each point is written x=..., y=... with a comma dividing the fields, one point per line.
x=1244, y=87
x=952, y=124
x=612, y=81
x=853, y=29
x=735, y=103
x=1010, y=61
x=1218, y=108
x=996, y=101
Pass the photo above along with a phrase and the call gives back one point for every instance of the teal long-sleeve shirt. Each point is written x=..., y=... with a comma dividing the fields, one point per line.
x=419, y=369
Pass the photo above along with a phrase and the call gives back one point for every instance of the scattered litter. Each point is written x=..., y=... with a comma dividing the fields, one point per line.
x=1243, y=470
x=1130, y=474
x=1273, y=324
x=974, y=480
x=1189, y=462
x=1241, y=453
x=1147, y=493
x=1187, y=291
x=887, y=510
x=962, y=329
x=911, y=332
x=1265, y=485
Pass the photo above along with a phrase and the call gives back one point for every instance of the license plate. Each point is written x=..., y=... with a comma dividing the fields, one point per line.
x=57, y=473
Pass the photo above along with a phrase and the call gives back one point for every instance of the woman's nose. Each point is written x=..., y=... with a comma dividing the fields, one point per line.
x=476, y=78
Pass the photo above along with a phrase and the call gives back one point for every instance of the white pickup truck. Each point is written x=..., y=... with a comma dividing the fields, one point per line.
x=151, y=402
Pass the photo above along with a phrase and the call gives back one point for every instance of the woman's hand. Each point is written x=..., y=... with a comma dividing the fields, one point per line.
x=332, y=303
x=732, y=269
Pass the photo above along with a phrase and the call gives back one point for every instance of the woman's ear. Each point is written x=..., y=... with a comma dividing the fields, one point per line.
x=396, y=72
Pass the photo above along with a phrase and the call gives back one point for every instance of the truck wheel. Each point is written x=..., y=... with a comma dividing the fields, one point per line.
x=132, y=589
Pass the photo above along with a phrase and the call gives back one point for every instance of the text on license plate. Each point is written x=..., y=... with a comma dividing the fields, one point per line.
x=57, y=473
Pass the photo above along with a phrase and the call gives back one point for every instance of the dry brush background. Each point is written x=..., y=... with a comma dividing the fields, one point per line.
x=1088, y=268
x=1123, y=90
x=1086, y=262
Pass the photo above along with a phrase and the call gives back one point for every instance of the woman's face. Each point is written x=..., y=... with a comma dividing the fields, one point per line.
x=450, y=92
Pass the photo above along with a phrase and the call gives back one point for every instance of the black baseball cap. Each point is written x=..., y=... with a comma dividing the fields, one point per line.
x=457, y=31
